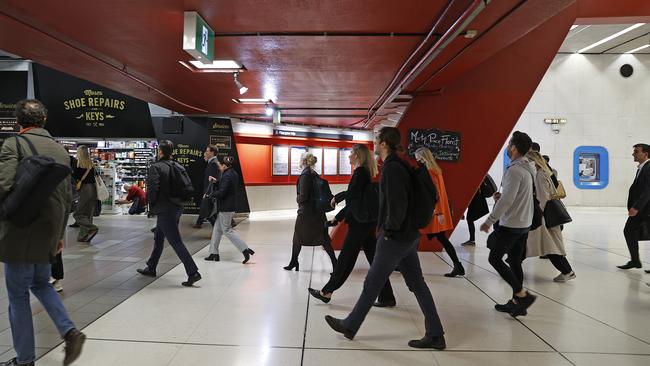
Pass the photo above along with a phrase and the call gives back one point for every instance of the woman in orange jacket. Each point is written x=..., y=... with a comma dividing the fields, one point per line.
x=441, y=221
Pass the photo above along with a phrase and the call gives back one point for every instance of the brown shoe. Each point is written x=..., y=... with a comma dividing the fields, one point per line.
x=74, y=341
x=197, y=226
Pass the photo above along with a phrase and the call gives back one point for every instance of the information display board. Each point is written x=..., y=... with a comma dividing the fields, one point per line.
x=330, y=161
x=318, y=153
x=280, y=160
x=296, y=156
x=344, y=162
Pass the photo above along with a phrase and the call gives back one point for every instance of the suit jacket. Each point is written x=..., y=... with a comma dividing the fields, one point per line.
x=211, y=170
x=226, y=195
x=639, y=195
x=158, y=189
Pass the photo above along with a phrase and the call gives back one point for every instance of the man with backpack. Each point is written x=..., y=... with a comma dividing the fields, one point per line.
x=398, y=223
x=168, y=186
x=28, y=248
x=514, y=211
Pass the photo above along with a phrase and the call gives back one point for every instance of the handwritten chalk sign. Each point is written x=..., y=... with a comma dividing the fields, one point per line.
x=445, y=145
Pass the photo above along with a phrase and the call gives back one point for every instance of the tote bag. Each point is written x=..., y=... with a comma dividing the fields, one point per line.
x=102, y=191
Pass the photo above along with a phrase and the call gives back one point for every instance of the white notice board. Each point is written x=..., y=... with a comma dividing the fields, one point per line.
x=280, y=160
x=296, y=156
x=330, y=161
x=318, y=153
x=344, y=162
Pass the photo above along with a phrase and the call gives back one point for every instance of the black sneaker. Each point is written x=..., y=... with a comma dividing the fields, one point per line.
x=337, y=326
x=522, y=305
x=192, y=279
x=74, y=341
x=14, y=362
x=507, y=307
x=146, y=272
x=429, y=342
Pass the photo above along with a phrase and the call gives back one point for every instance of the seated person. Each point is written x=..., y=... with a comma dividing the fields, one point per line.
x=136, y=195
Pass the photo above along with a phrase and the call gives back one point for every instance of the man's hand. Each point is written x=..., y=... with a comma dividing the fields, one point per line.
x=633, y=212
x=60, y=245
x=333, y=203
x=496, y=196
x=485, y=228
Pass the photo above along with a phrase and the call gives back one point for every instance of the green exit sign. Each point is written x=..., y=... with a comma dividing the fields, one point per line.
x=198, y=37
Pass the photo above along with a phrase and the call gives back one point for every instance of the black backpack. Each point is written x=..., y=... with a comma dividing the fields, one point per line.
x=323, y=195
x=180, y=184
x=425, y=196
x=36, y=178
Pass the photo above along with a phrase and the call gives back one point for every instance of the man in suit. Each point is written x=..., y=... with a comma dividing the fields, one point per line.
x=211, y=171
x=638, y=205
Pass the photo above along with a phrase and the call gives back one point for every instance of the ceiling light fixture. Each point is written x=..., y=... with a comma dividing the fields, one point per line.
x=268, y=109
x=607, y=39
x=252, y=101
x=240, y=86
x=638, y=49
x=217, y=64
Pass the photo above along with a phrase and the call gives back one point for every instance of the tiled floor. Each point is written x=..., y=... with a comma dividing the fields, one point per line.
x=259, y=314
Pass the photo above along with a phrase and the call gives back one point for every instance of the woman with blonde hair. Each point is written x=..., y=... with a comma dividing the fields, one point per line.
x=310, y=223
x=545, y=241
x=360, y=213
x=441, y=222
x=84, y=175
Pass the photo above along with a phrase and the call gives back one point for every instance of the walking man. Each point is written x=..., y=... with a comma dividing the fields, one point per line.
x=638, y=205
x=28, y=252
x=211, y=175
x=513, y=211
x=397, y=246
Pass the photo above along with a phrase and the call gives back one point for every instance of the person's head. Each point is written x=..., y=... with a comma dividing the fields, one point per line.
x=539, y=161
x=425, y=156
x=126, y=186
x=83, y=157
x=210, y=152
x=226, y=162
x=165, y=149
x=535, y=147
x=641, y=152
x=388, y=141
x=31, y=113
x=308, y=160
x=361, y=156
x=518, y=145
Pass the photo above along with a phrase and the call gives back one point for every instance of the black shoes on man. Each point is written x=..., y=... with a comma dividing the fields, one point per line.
x=630, y=265
x=518, y=309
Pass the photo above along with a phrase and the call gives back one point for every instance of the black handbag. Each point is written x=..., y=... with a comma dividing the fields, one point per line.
x=556, y=214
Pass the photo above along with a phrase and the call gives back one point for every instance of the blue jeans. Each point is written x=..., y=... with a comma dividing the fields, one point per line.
x=136, y=208
x=20, y=278
x=390, y=254
x=167, y=227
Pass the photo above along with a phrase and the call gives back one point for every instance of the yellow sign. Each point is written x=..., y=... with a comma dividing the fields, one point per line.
x=95, y=107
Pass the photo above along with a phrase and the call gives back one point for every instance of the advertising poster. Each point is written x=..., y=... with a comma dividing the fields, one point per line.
x=296, y=156
x=330, y=161
x=13, y=88
x=280, y=160
x=344, y=162
x=318, y=153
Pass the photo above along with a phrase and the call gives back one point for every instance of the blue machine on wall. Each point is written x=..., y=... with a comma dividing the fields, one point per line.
x=590, y=167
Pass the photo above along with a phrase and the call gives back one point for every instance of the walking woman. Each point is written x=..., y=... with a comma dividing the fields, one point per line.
x=545, y=241
x=84, y=174
x=226, y=196
x=360, y=213
x=310, y=223
x=441, y=221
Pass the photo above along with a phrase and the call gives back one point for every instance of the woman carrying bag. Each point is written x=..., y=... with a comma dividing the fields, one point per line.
x=360, y=213
x=310, y=223
x=441, y=222
x=84, y=173
x=478, y=207
x=545, y=241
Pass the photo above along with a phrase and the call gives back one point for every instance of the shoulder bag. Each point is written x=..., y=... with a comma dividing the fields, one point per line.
x=102, y=191
x=80, y=182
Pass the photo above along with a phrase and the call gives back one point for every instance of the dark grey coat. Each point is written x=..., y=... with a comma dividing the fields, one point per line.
x=37, y=242
x=310, y=223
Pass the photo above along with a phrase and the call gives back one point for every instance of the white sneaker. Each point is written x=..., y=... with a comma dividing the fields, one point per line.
x=52, y=280
x=565, y=277
x=58, y=287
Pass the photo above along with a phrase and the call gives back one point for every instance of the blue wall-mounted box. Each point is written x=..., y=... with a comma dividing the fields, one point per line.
x=590, y=167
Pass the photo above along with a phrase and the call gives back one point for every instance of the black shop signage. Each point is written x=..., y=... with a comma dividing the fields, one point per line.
x=316, y=135
x=79, y=108
x=222, y=136
x=445, y=145
x=13, y=88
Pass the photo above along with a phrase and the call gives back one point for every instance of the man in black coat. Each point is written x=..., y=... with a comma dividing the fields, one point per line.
x=638, y=205
x=211, y=171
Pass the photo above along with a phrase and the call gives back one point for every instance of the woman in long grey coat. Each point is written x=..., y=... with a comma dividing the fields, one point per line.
x=310, y=224
x=545, y=241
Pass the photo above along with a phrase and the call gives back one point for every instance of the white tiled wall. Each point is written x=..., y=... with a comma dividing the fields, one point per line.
x=602, y=108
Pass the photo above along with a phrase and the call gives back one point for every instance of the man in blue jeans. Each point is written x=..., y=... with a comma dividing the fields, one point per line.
x=168, y=208
x=397, y=245
x=28, y=251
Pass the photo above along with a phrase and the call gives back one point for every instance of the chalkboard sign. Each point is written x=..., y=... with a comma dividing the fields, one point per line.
x=445, y=145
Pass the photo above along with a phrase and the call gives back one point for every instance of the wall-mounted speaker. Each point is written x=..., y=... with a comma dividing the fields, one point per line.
x=627, y=70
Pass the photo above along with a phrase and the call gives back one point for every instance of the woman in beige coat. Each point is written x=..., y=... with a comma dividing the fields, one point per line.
x=545, y=241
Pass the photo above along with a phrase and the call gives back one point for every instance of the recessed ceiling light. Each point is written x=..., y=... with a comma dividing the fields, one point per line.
x=638, y=49
x=268, y=109
x=607, y=39
x=217, y=64
x=252, y=101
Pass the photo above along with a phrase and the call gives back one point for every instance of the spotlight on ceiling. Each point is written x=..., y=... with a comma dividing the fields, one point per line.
x=268, y=109
x=240, y=86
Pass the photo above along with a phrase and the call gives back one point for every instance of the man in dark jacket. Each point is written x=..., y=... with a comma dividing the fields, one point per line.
x=28, y=251
x=168, y=209
x=211, y=176
x=638, y=205
x=397, y=245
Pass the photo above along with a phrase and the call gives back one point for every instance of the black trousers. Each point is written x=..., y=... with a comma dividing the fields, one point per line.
x=449, y=248
x=509, y=241
x=560, y=263
x=472, y=229
x=632, y=232
x=57, y=267
x=167, y=227
x=359, y=236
